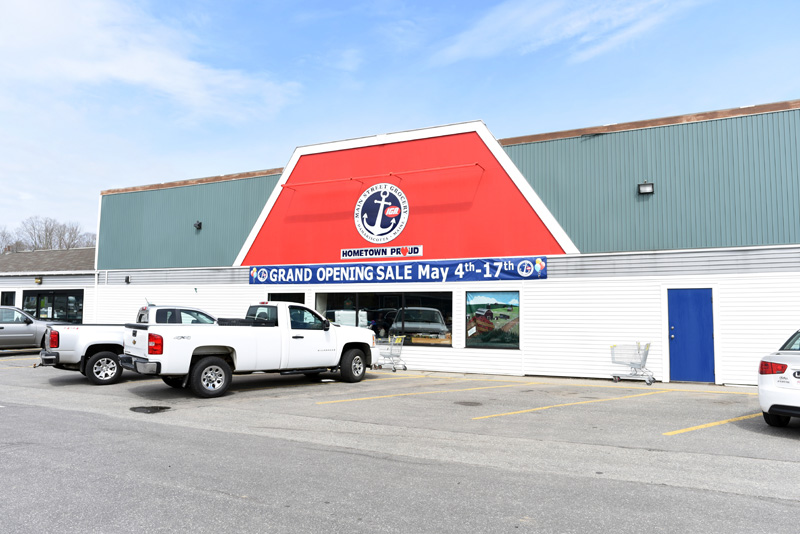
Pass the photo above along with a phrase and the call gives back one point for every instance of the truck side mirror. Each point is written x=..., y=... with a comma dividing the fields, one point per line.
x=28, y=320
x=326, y=325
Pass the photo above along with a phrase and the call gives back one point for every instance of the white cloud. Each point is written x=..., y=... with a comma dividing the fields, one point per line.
x=348, y=60
x=482, y=300
x=65, y=45
x=590, y=28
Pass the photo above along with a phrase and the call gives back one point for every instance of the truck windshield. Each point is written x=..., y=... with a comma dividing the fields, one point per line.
x=420, y=316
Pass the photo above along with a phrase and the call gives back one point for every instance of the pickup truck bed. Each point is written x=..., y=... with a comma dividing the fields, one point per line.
x=94, y=349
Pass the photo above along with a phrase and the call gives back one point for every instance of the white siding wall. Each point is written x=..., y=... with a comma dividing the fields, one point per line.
x=567, y=324
x=572, y=323
x=753, y=317
x=119, y=303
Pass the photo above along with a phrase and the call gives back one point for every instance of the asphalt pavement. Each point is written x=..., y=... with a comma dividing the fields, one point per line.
x=399, y=452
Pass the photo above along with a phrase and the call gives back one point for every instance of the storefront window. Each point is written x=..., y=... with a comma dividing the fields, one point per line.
x=299, y=298
x=422, y=318
x=58, y=305
x=8, y=298
x=493, y=319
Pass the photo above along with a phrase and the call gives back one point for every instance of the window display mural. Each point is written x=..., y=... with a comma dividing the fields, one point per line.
x=493, y=319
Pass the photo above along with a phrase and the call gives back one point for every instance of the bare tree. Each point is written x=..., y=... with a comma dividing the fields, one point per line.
x=45, y=233
x=88, y=240
x=7, y=240
x=39, y=233
x=68, y=235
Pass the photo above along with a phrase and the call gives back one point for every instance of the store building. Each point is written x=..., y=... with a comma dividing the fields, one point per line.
x=525, y=256
x=48, y=284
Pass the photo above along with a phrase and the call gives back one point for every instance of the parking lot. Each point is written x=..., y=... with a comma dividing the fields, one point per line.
x=399, y=452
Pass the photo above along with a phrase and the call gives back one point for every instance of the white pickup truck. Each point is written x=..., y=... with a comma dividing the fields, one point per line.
x=276, y=337
x=94, y=349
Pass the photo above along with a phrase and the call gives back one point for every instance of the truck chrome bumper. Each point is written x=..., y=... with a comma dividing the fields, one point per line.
x=48, y=358
x=142, y=366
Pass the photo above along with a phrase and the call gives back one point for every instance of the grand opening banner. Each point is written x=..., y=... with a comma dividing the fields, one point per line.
x=473, y=270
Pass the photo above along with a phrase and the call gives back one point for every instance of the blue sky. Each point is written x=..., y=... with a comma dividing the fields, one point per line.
x=101, y=94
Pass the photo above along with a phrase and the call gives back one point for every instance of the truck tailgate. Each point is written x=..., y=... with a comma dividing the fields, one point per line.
x=135, y=340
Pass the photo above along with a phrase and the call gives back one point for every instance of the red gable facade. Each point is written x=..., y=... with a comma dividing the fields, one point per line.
x=440, y=193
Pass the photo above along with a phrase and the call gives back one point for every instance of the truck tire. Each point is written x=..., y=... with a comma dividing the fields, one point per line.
x=103, y=368
x=210, y=377
x=173, y=381
x=352, y=366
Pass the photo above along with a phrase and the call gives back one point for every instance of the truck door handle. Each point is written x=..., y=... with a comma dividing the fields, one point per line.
x=297, y=337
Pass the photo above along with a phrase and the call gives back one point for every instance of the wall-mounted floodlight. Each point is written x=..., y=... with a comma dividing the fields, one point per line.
x=646, y=188
x=38, y=280
x=198, y=225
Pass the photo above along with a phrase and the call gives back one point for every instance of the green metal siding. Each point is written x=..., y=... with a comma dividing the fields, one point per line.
x=154, y=229
x=721, y=183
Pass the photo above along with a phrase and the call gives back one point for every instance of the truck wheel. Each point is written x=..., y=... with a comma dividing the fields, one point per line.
x=210, y=377
x=352, y=366
x=103, y=368
x=173, y=381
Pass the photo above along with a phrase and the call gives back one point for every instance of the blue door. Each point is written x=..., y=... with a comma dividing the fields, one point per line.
x=691, y=335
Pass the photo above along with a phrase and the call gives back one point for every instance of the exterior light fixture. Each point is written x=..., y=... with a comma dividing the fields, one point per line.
x=198, y=225
x=127, y=279
x=38, y=279
x=646, y=188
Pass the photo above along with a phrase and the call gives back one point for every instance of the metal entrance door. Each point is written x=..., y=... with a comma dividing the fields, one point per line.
x=691, y=335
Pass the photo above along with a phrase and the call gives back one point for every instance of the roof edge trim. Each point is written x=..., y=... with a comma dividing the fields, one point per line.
x=654, y=123
x=194, y=181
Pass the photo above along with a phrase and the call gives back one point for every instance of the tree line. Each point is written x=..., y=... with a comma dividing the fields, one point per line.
x=44, y=233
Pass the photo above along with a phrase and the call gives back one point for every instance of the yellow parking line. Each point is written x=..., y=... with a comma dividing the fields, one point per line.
x=453, y=378
x=427, y=393
x=751, y=393
x=396, y=378
x=709, y=425
x=665, y=388
x=571, y=404
x=17, y=359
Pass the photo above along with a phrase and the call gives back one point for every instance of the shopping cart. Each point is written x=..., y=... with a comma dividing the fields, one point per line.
x=635, y=357
x=389, y=350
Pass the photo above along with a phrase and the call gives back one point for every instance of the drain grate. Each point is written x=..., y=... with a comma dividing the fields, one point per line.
x=149, y=409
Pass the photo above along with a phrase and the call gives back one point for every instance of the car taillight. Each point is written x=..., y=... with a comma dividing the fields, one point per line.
x=155, y=344
x=54, y=339
x=771, y=368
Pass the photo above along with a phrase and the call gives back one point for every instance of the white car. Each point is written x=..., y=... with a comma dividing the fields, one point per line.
x=779, y=383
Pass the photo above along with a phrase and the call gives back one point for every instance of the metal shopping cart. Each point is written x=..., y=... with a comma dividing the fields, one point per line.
x=389, y=350
x=635, y=357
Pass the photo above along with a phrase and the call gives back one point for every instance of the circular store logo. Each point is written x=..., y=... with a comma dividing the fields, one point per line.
x=525, y=268
x=381, y=213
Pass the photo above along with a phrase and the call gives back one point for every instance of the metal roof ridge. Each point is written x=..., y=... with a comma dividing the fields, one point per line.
x=655, y=123
x=194, y=181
